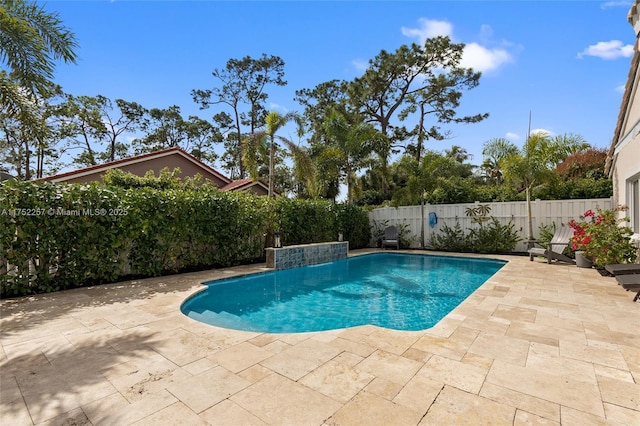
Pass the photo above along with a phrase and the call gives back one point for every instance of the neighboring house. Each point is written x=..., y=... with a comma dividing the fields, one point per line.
x=248, y=184
x=170, y=158
x=623, y=160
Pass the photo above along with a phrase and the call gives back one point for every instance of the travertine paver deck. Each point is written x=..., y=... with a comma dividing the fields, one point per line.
x=536, y=344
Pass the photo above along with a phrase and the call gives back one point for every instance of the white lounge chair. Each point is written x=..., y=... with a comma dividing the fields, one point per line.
x=555, y=247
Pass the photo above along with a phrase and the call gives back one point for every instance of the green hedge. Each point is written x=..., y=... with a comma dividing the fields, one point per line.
x=57, y=236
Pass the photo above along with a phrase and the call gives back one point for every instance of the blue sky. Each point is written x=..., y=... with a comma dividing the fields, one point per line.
x=565, y=61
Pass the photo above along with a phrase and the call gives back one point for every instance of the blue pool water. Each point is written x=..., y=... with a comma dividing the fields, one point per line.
x=391, y=290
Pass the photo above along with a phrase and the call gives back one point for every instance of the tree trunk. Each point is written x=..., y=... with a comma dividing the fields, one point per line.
x=27, y=160
x=239, y=151
x=272, y=152
x=420, y=135
x=530, y=239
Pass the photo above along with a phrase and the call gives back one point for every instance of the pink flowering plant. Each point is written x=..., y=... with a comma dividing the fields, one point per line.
x=603, y=237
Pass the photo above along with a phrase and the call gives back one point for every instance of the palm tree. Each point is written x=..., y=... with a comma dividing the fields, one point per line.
x=351, y=146
x=494, y=151
x=263, y=144
x=526, y=169
x=530, y=165
x=31, y=40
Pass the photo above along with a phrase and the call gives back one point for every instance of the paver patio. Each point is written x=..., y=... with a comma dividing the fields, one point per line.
x=536, y=344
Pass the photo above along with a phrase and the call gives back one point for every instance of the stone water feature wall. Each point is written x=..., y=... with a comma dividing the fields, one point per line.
x=306, y=254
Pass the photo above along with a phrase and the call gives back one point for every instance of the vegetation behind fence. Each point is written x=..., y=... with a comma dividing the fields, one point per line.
x=511, y=213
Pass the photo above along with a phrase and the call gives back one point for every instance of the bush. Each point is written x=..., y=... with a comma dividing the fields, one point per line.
x=574, y=189
x=605, y=238
x=354, y=221
x=58, y=236
x=493, y=237
x=489, y=237
x=450, y=239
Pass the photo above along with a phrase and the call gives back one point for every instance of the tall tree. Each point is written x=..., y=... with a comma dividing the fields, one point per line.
x=164, y=128
x=95, y=126
x=202, y=136
x=81, y=126
x=125, y=118
x=31, y=40
x=319, y=103
x=244, y=82
x=424, y=179
x=28, y=146
x=396, y=85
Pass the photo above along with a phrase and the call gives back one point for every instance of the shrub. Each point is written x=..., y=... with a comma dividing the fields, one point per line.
x=354, y=221
x=600, y=236
x=488, y=237
x=450, y=239
x=574, y=189
x=493, y=237
x=56, y=236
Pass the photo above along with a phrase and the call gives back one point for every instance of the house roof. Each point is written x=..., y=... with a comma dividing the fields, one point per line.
x=242, y=184
x=228, y=184
x=137, y=159
x=632, y=17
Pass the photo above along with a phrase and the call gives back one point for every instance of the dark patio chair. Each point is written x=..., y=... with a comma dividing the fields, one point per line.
x=391, y=237
x=630, y=282
x=622, y=268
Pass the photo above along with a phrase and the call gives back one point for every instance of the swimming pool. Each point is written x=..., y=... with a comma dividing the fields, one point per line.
x=391, y=290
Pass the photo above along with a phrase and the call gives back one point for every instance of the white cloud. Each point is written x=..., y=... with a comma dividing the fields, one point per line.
x=613, y=49
x=274, y=106
x=484, y=59
x=620, y=89
x=476, y=55
x=614, y=3
x=512, y=136
x=542, y=132
x=429, y=28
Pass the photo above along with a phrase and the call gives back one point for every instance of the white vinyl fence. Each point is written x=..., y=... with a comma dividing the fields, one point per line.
x=543, y=212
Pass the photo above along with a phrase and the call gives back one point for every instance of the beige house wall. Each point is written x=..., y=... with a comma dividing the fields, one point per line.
x=625, y=170
x=259, y=190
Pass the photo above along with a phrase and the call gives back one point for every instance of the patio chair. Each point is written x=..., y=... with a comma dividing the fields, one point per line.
x=630, y=282
x=391, y=237
x=555, y=247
